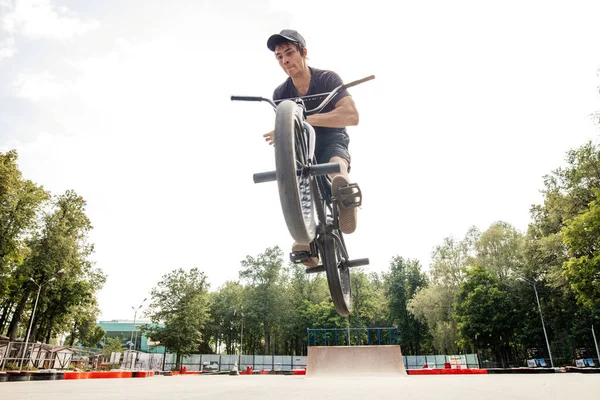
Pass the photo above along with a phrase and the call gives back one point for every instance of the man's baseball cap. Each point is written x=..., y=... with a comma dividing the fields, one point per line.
x=284, y=36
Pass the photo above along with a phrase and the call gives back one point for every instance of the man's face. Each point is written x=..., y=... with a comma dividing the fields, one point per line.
x=289, y=59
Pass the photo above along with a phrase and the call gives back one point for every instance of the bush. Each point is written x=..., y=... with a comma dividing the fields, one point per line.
x=11, y=367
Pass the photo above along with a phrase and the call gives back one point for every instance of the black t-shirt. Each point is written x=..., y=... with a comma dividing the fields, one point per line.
x=321, y=81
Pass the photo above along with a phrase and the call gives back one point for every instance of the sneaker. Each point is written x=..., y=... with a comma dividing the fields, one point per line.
x=311, y=262
x=347, y=215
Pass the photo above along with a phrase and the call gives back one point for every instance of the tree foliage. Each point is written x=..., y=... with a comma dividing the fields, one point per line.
x=44, y=238
x=582, y=269
x=403, y=280
x=485, y=311
x=179, y=309
x=113, y=344
x=433, y=304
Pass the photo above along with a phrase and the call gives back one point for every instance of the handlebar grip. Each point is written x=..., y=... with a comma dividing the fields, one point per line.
x=368, y=78
x=264, y=177
x=246, y=98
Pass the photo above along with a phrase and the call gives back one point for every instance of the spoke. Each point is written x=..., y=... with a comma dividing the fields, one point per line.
x=300, y=156
x=301, y=150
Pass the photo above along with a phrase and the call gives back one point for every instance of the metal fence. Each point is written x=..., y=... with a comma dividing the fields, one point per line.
x=352, y=336
x=440, y=361
x=46, y=356
x=136, y=360
x=224, y=362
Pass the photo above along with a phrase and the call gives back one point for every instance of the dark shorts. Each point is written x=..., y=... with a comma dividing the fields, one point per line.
x=332, y=144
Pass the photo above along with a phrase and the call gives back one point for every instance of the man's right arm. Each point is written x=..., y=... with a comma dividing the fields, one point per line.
x=270, y=136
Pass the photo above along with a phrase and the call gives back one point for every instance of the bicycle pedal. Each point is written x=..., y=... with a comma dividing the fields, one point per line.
x=299, y=256
x=350, y=195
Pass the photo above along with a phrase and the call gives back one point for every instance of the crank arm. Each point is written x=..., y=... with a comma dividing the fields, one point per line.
x=359, y=262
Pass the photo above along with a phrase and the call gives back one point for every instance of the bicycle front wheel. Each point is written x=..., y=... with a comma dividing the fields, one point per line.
x=338, y=276
x=291, y=157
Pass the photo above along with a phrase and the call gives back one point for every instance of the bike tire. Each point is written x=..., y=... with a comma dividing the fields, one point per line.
x=295, y=192
x=338, y=276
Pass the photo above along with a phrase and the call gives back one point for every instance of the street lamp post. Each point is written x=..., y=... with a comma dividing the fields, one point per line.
x=241, y=336
x=131, y=342
x=541, y=317
x=596, y=343
x=33, y=312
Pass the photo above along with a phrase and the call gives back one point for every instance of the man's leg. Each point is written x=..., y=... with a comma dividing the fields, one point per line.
x=344, y=178
x=343, y=167
x=347, y=216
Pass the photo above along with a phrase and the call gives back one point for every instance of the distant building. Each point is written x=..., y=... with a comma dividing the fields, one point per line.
x=130, y=335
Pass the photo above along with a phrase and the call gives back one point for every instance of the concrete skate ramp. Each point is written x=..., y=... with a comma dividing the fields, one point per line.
x=347, y=361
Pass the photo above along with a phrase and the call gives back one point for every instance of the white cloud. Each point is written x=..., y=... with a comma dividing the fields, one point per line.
x=38, y=87
x=7, y=47
x=7, y=42
x=37, y=19
x=40, y=19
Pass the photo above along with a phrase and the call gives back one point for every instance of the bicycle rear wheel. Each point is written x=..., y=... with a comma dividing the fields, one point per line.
x=338, y=276
x=291, y=156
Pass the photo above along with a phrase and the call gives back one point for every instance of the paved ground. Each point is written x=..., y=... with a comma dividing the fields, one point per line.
x=279, y=387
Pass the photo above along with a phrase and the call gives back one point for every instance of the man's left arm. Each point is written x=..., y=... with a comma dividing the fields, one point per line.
x=345, y=114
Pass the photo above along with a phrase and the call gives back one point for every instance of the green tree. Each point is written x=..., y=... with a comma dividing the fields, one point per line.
x=179, y=309
x=84, y=329
x=310, y=306
x=485, y=312
x=266, y=297
x=226, y=309
x=402, y=283
x=582, y=270
x=368, y=300
x=20, y=203
x=568, y=192
x=60, y=246
x=450, y=260
x=433, y=305
x=500, y=250
x=94, y=337
x=113, y=344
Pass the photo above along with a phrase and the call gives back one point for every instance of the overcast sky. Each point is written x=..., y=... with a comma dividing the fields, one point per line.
x=127, y=103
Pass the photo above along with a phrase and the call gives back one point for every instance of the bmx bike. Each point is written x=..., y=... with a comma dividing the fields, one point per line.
x=305, y=189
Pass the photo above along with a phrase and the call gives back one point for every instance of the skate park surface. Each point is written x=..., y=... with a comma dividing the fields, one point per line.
x=266, y=387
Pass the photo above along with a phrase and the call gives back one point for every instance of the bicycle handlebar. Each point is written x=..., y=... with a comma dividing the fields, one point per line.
x=359, y=81
x=247, y=98
x=252, y=98
x=321, y=106
x=334, y=93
